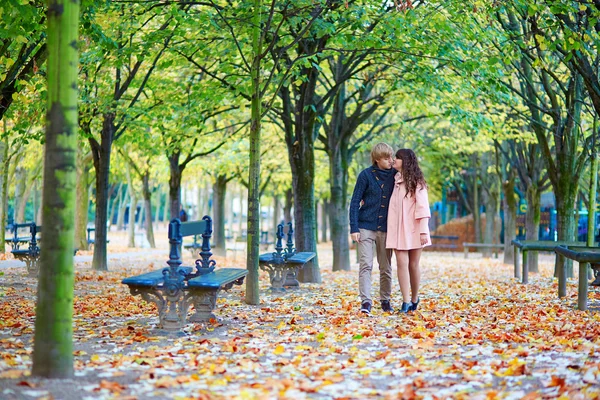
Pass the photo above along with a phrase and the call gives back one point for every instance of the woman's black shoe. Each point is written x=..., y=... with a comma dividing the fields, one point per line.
x=413, y=305
x=405, y=308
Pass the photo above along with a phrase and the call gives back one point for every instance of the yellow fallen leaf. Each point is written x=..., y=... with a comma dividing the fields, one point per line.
x=279, y=350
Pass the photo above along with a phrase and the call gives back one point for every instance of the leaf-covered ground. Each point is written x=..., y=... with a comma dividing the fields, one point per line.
x=478, y=334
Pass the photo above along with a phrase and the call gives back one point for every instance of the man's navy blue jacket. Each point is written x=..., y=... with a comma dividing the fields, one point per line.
x=374, y=188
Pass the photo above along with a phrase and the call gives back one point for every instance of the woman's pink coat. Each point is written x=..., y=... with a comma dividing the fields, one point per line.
x=408, y=217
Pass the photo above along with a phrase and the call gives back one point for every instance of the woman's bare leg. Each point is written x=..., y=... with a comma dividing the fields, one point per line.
x=403, y=274
x=414, y=257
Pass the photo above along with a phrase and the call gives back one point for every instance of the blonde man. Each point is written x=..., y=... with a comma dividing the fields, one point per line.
x=368, y=225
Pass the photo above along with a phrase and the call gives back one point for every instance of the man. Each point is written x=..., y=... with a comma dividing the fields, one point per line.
x=368, y=225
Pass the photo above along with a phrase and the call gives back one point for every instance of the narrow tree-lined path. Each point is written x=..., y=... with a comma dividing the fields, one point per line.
x=478, y=334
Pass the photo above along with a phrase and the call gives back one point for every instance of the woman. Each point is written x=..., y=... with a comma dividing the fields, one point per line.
x=408, y=225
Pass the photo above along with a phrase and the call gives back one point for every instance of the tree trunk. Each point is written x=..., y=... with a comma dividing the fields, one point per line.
x=19, y=209
x=241, y=220
x=3, y=189
x=166, y=208
x=230, y=218
x=276, y=217
x=253, y=229
x=532, y=223
x=114, y=204
x=102, y=152
x=123, y=200
x=174, y=185
x=141, y=218
x=29, y=182
x=287, y=209
x=53, y=341
x=158, y=205
x=338, y=206
x=593, y=193
x=324, y=220
x=132, y=209
x=131, y=220
x=81, y=211
x=476, y=208
x=219, y=193
x=510, y=217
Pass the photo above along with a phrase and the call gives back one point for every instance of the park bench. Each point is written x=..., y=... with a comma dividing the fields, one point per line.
x=15, y=240
x=92, y=241
x=264, y=239
x=31, y=254
x=284, y=264
x=194, y=246
x=526, y=246
x=175, y=287
x=443, y=242
x=495, y=247
x=585, y=256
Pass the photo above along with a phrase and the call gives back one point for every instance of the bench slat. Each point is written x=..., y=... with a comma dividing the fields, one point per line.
x=301, y=258
x=192, y=228
x=484, y=245
x=217, y=278
x=150, y=278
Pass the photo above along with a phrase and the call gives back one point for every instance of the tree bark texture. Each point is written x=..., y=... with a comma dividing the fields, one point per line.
x=123, y=200
x=19, y=208
x=253, y=228
x=532, y=223
x=132, y=209
x=147, y=193
x=324, y=220
x=219, y=194
x=53, y=341
x=174, y=186
x=101, y=153
x=81, y=210
x=287, y=208
x=510, y=217
x=3, y=188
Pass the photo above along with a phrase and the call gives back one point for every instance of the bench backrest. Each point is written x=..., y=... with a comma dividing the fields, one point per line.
x=178, y=230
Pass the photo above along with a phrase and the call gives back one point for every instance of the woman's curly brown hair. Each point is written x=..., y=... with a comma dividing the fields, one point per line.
x=411, y=173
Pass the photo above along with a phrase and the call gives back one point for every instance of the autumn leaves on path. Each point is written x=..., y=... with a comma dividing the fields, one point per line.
x=477, y=334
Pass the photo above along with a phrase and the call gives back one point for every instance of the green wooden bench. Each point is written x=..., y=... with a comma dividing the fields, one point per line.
x=585, y=256
x=526, y=246
x=174, y=288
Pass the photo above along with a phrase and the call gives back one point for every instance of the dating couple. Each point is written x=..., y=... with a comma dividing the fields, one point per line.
x=389, y=213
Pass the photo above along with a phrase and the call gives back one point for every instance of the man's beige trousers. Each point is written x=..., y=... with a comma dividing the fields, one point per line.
x=374, y=241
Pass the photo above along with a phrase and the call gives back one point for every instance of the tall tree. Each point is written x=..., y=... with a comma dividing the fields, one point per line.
x=53, y=341
x=138, y=44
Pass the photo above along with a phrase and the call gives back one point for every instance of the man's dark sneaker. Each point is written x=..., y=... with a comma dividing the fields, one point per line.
x=386, y=306
x=365, y=307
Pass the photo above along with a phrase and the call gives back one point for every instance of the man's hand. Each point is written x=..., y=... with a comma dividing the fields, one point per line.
x=356, y=237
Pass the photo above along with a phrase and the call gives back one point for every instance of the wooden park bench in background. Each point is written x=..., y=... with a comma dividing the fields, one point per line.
x=526, y=246
x=585, y=256
x=173, y=288
x=284, y=264
x=443, y=242
x=495, y=247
